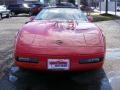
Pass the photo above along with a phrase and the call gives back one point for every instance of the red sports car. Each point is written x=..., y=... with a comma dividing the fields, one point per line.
x=60, y=39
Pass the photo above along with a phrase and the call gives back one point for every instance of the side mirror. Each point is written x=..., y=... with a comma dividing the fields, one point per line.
x=32, y=18
x=90, y=18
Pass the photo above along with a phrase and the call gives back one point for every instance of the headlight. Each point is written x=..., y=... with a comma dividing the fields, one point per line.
x=90, y=60
x=25, y=59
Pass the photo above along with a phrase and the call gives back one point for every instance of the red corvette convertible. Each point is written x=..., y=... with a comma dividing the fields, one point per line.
x=60, y=39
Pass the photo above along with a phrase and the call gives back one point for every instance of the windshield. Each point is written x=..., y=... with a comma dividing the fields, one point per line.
x=61, y=14
x=2, y=7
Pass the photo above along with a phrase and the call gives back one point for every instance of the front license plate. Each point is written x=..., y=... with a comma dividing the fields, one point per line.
x=58, y=64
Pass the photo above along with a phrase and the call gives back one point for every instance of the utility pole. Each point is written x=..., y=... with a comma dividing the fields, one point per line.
x=78, y=3
x=100, y=6
x=106, y=10
x=115, y=7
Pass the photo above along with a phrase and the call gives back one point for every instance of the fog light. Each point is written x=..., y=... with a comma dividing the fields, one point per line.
x=90, y=60
x=25, y=59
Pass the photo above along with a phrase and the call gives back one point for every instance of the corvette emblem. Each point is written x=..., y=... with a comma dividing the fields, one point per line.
x=59, y=42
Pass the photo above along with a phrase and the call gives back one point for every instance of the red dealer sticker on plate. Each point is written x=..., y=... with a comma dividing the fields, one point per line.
x=58, y=64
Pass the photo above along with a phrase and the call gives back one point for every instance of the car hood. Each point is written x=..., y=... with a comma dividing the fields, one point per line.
x=52, y=35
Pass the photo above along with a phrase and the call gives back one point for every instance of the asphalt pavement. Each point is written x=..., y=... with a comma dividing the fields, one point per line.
x=13, y=78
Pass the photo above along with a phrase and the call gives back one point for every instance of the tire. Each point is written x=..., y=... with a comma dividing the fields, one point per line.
x=16, y=14
x=8, y=15
x=30, y=14
x=0, y=16
x=13, y=14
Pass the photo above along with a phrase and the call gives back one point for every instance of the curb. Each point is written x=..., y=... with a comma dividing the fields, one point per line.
x=4, y=64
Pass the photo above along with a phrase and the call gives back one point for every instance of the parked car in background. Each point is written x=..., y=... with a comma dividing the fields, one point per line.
x=27, y=8
x=20, y=8
x=65, y=4
x=60, y=39
x=4, y=12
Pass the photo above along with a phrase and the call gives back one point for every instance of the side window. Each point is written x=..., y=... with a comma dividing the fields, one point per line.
x=102, y=0
x=5, y=8
x=112, y=0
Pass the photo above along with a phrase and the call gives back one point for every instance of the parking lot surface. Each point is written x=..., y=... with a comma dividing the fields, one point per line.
x=14, y=78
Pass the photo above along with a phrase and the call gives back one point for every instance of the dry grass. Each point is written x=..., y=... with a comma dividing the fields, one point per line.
x=103, y=17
